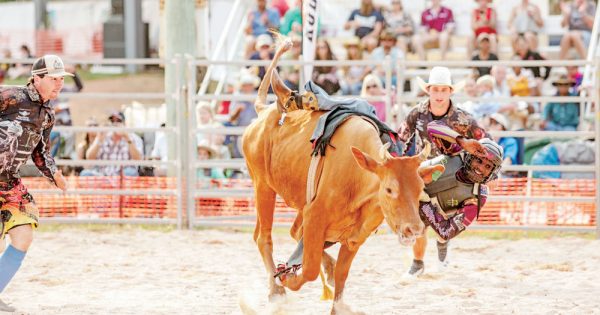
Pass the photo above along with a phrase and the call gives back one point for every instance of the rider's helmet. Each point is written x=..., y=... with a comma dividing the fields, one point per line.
x=495, y=154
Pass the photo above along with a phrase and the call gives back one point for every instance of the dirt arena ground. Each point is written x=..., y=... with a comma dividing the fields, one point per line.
x=112, y=270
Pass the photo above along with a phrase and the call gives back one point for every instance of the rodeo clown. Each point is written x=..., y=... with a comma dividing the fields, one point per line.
x=26, y=120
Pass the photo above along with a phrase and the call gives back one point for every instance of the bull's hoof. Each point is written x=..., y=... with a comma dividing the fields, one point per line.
x=277, y=292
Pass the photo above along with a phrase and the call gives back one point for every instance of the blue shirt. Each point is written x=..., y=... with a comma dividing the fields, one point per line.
x=258, y=27
x=562, y=114
x=511, y=148
x=366, y=24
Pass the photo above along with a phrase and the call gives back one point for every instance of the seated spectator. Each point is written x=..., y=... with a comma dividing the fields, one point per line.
x=512, y=150
x=369, y=44
x=372, y=88
x=399, y=22
x=260, y=20
x=264, y=51
x=352, y=76
x=561, y=116
x=115, y=146
x=367, y=22
x=84, y=145
x=325, y=76
x=205, y=119
x=5, y=67
x=484, y=53
x=525, y=20
x=242, y=113
x=208, y=176
x=291, y=23
x=578, y=17
x=483, y=21
x=576, y=152
x=387, y=48
x=470, y=90
x=574, y=74
x=525, y=53
x=499, y=74
x=486, y=104
x=437, y=24
x=21, y=70
x=521, y=81
x=291, y=74
x=281, y=6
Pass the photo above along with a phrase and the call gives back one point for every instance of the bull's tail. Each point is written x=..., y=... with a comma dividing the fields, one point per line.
x=283, y=44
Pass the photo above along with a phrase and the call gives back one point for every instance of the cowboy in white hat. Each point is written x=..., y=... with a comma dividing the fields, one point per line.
x=461, y=130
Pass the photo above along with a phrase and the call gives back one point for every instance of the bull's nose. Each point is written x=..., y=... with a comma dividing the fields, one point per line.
x=413, y=229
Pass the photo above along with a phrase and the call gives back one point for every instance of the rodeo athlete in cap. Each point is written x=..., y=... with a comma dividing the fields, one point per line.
x=26, y=119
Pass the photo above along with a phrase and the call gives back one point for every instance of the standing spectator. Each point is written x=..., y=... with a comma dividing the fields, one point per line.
x=483, y=21
x=352, y=76
x=525, y=53
x=561, y=116
x=26, y=120
x=400, y=24
x=260, y=20
x=525, y=20
x=484, y=53
x=437, y=25
x=387, y=48
x=367, y=22
x=372, y=88
x=325, y=76
x=115, y=146
x=578, y=17
x=264, y=51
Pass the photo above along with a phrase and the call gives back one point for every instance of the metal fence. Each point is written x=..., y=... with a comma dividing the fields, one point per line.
x=179, y=200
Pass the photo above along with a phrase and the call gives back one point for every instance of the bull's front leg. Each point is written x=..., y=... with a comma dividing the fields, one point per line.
x=342, y=268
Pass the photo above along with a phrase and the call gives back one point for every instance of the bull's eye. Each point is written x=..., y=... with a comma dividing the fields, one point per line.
x=310, y=99
x=388, y=190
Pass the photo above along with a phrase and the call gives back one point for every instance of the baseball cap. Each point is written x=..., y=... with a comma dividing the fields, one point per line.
x=50, y=65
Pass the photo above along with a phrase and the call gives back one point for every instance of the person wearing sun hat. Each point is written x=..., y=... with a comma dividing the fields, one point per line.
x=452, y=130
x=562, y=116
x=26, y=120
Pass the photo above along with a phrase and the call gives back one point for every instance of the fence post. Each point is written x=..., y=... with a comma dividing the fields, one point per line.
x=179, y=112
x=597, y=142
x=190, y=166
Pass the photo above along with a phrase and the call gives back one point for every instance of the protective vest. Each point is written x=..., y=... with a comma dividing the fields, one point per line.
x=447, y=191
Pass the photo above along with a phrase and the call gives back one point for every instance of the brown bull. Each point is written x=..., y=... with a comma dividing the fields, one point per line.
x=360, y=184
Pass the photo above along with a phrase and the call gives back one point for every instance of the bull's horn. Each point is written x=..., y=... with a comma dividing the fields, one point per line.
x=425, y=152
x=383, y=152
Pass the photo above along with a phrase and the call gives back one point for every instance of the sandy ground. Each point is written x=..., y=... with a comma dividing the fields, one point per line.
x=136, y=271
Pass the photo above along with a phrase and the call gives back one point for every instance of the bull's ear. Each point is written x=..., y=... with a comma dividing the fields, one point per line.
x=431, y=173
x=364, y=160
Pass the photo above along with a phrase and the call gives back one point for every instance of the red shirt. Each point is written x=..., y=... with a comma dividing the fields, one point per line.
x=487, y=16
x=437, y=22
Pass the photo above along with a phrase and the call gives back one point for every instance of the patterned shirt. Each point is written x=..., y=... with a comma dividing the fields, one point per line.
x=25, y=125
x=414, y=129
x=118, y=151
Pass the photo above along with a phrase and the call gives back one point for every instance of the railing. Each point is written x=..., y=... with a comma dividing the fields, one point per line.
x=407, y=70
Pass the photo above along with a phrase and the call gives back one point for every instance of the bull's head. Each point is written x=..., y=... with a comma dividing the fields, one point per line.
x=288, y=100
x=402, y=180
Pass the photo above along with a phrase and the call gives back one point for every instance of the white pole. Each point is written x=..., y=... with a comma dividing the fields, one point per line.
x=597, y=142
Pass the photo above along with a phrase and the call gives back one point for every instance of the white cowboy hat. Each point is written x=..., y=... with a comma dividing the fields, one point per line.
x=500, y=119
x=439, y=76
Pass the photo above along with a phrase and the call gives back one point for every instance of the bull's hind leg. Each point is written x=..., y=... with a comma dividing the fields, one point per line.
x=314, y=240
x=265, y=208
